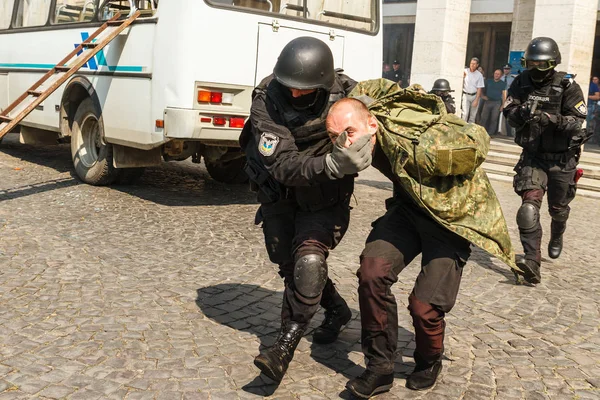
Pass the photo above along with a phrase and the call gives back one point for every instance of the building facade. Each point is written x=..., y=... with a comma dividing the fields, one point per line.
x=436, y=38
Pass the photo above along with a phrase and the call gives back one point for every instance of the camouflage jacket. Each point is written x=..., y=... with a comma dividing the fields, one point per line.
x=436, y=158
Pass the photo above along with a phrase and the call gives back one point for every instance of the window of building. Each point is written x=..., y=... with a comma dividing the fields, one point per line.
x=70, y=11
x=358, y=14
x=6, y=11
x=32, y=12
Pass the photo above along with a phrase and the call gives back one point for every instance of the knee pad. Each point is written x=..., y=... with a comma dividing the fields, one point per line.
x=559, y=215
x=528, y=217
x=310, y=275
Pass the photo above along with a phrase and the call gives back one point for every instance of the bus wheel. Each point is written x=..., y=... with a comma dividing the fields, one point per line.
x=231, y=171
x=92, y=157
x=128, y=176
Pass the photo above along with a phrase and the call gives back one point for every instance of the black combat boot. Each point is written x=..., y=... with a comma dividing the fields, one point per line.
x=336, y=315
x=425, y=373
x=531, y=270
x=370, y=383
x=274, y=360
x=557, y=228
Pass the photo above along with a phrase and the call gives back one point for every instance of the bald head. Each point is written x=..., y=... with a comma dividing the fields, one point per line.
x=351, y=116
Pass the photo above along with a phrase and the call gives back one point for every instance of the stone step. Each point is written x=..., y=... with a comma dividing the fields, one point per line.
x=590, y=155
x=505, y=173
x=591, y=171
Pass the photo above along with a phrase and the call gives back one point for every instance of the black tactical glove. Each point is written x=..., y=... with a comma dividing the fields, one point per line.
x=348, y=160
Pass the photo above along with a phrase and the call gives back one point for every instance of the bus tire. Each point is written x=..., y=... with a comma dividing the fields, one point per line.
x=231, y=171
x=92, y=157
x=128, y=176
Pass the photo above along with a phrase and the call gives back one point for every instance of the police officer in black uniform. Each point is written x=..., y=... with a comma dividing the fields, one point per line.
x=547, y=108
x=304, y=185
x=441, y=88
x=394, y=74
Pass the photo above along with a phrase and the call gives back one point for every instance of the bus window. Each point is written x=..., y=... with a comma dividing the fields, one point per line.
x=108, y=8
x=6, y=9
x=32, y=12
x=69, y=11
x=358, y=14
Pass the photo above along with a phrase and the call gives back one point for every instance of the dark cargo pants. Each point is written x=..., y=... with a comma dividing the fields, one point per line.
x=291, y=233
x=535, y=176
x=396, y=239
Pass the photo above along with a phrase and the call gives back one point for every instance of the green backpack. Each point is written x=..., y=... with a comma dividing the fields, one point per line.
x=418, y=127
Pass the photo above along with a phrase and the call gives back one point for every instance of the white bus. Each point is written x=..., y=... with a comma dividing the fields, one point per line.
x=176, y=83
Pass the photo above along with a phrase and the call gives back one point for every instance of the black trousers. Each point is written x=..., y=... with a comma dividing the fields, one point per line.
x=291, y=233
x=396, y=239
x=534, y=177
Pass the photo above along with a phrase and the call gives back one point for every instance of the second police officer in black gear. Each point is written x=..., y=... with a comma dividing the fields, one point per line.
x=441, y=88
x=304, y=187
x=547, y=108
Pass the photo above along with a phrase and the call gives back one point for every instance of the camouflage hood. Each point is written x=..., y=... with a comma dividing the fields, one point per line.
x=436, y=158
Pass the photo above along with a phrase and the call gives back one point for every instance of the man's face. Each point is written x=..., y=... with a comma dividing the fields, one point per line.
x=396, y=66
x=506, y=71
x=344, y=118
x=301, y=92
x=386, y=67
x=595, y=80
x=497, y=75
x=473, y=65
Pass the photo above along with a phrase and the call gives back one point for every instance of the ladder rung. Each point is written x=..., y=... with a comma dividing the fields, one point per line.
x=34, y=93
x=4, y=118
x=60, y=68
x=89, y=45
x=115, y=22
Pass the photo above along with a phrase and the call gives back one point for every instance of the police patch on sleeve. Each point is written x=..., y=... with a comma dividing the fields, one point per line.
x=581, y=107
x=509, y=101
x=268, y=144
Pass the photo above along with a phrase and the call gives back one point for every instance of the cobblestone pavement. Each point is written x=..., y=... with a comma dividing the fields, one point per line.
x=164, y=290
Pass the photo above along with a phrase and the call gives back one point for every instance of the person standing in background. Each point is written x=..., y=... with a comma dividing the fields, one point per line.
x=473, y=85
x=495, y=95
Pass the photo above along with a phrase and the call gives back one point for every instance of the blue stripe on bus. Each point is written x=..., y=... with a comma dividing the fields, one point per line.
x=112, y=68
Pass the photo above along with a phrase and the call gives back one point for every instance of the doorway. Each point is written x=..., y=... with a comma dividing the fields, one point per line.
x=490, y=43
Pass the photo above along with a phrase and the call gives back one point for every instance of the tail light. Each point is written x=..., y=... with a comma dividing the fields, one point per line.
x=206, y=96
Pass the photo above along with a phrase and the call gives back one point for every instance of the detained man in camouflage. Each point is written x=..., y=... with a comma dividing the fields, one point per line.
x=442, y=203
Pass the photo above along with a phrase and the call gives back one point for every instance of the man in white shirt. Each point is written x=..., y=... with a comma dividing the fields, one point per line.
x=473, y=85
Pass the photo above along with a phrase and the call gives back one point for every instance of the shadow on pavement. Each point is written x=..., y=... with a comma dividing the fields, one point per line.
x=171, y=184
x=27, y=190
x=256, y=310
x=486, y=261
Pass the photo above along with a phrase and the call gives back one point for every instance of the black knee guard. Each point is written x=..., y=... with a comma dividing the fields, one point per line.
x=561, y=215
x=528, y=217
x=310, y=275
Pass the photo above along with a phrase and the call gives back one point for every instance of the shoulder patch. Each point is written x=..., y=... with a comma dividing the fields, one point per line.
x=581, y=108
x=509, y=101
x=268, y=143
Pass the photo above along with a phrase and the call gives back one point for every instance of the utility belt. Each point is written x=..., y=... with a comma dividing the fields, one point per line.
x=563, y=157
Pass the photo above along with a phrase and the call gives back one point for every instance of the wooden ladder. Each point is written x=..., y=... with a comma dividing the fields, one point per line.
x=60, y=73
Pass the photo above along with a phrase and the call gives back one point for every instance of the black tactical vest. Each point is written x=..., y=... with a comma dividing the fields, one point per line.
x=311, y=138
x=533, y=137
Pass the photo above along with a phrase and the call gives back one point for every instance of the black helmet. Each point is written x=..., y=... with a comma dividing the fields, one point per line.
x=305, y=63
x=544, y=54
x=441, y=85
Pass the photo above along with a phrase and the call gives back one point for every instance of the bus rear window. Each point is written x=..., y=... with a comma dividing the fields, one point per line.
x=6, y=10
x=70, y=11
x=32, y=12
x=108, y=9
x=357, y=14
